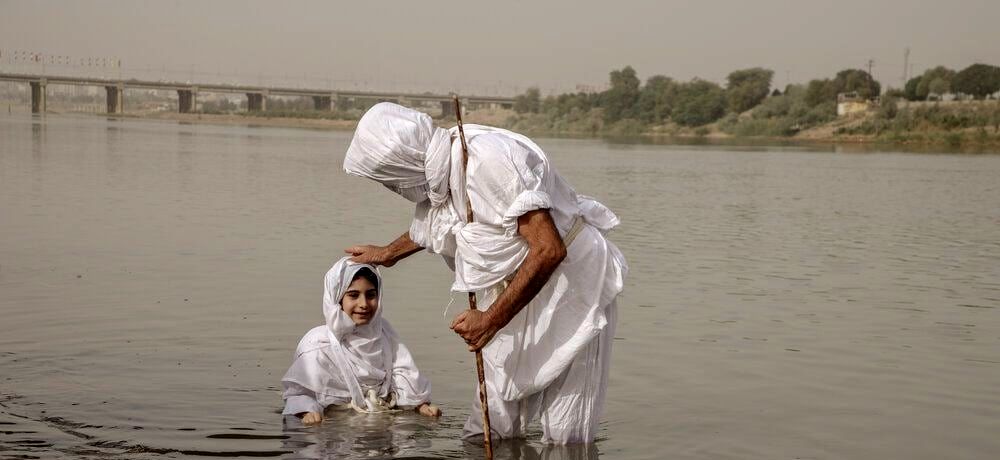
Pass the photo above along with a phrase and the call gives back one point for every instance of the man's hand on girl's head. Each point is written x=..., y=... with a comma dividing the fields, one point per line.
x=370, y=254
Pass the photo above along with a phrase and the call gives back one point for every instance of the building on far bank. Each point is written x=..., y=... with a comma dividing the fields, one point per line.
x=848, y=103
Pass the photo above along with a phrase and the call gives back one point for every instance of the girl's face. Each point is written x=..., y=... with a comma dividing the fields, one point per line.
x=360, y=301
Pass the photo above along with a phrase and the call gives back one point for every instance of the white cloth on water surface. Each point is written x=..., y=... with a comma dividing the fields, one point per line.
x=509, y=175
x=569, y=409
x=341, y=363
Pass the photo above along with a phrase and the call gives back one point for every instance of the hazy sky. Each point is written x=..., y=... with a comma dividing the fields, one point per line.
x=502, y=47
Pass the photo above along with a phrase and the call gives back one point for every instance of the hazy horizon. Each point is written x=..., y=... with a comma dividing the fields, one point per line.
x=499, y=48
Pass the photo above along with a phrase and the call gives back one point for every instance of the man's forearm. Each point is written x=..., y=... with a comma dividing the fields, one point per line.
x=545, y=252
x=402, y=247
x=528, y=281
x=386, y=255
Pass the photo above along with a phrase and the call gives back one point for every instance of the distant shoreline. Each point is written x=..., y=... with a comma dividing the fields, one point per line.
x=823, y=135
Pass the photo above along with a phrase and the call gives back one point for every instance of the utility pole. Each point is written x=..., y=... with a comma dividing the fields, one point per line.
x=871, y=78
x=906, y=67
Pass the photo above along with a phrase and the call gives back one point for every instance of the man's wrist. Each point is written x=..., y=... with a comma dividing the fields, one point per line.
x=496, y=316
x=387, y=254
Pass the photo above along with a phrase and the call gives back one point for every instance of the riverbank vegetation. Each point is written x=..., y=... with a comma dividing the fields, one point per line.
x=952, y=122
x=666, y=105
x=748, y=107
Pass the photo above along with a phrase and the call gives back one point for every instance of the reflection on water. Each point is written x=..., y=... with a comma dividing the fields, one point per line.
x=783, y=301
x=345, y=434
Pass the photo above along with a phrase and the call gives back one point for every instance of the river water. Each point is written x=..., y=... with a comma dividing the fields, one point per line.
x=783, y=302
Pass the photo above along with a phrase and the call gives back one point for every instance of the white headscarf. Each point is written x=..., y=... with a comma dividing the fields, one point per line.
x=401, y=149
x=349, y=359
x=362, y=346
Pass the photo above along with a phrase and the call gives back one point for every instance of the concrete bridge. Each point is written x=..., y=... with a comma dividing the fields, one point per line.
x=187, y=94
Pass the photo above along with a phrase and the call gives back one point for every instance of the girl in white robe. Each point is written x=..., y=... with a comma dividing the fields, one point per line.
x=356, y=359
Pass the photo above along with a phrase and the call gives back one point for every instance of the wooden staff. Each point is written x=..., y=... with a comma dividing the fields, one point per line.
x=487, y=434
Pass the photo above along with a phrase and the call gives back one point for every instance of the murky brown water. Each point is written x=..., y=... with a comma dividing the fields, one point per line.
x=783, y=303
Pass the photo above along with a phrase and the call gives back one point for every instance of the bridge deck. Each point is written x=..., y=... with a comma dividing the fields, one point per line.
x=223, y=88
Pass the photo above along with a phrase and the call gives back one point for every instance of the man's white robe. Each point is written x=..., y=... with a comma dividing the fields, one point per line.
x=570, y=321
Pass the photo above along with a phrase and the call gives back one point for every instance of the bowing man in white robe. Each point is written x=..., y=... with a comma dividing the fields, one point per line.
x=356, y=359
x=535, y=253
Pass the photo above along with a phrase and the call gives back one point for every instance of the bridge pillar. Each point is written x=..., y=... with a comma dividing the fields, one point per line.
x=343, y=102
x=324, y=103
x=115, y=99
x=183, y=101
x=187, y=100
x=256, y=102
x=38, y=96
x=447, y=109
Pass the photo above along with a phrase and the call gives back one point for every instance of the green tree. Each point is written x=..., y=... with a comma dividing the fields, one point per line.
x=846, y=81
x=530, y=101
x=746, y=88
x=820, y=91
x=563, y=104
x=940, y=77
x=910, y=90
x=619, y=101
x=855, y=80
x=782, y=104
x=938, y=87
x=699, y=102
x=656, y=99
x=977, y=80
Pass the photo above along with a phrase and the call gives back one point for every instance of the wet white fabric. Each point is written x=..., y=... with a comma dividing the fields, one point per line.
x=341, y=363
x=569, y=409
x=508, y=176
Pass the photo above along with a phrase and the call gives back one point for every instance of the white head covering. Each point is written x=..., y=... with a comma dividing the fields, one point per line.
x=363, y=344
x=401, y=149
x=349, y=360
